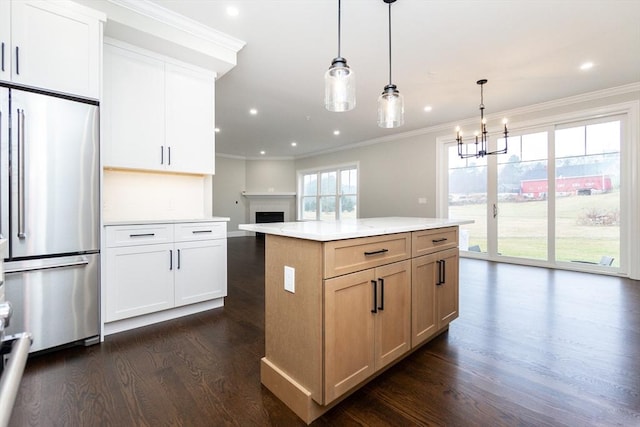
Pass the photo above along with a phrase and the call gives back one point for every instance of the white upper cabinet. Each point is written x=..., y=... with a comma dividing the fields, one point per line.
x=190, y=119
x=51, y=45
x=158, y=114
x=133, y=107
x=5, y=40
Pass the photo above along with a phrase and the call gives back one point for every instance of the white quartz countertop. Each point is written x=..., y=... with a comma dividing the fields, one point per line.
x=325, y=231
x=167, y=221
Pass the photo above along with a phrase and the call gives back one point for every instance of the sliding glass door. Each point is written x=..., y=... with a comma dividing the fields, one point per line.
x=554, y=198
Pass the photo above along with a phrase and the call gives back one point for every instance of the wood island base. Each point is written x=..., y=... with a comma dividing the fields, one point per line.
x=299, y=399
x=344, y=301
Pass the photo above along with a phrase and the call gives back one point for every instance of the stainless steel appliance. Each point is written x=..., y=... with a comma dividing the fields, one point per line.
x=13, y=351
x=49, y=212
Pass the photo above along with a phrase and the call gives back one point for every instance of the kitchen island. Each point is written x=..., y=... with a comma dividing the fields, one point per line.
x=344, y=300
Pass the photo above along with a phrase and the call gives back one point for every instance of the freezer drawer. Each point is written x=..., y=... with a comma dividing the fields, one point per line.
x=56, y=299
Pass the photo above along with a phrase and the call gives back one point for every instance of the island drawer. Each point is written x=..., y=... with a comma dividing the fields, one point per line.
x=132, y=235
x=430, y=241
x=190, y=231
x=346, y=256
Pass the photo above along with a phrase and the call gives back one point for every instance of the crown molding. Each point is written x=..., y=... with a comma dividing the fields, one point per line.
x=158, y=13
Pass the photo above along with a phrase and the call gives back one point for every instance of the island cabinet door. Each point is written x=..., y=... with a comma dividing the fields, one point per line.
x=393, y=317
x=349, y=332
x=424, y=276
x=447, y=287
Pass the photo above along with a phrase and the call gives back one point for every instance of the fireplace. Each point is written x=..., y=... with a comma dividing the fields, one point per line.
x=264, y=217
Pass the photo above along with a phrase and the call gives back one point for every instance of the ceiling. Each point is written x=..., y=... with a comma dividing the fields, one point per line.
x=529, y=50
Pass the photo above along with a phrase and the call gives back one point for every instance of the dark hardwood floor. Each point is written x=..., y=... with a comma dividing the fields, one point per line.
x=532, y=347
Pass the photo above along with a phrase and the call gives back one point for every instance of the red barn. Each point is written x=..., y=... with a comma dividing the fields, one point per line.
x=583, y=185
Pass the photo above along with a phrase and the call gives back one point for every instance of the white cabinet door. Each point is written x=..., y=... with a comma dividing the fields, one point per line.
x=201, y=271
x=55, y=47
x=139, y=280
x=133, y=109
x=190, y=119
x=5, y=40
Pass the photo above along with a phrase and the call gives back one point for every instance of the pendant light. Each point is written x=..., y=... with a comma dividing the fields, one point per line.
x=339, y=82
x=390, y=103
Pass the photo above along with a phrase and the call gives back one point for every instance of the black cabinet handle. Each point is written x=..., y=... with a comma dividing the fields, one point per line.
x=202, y=231
x=17, y=60
x=375, y=296
x=2, y=56
x=169, y=150
x=443, y=239
x=142, y=235
x=178, y=259
x=381, y=306
x=380, y=251
x=162, y=154
x=170, y=259
x=441, y=272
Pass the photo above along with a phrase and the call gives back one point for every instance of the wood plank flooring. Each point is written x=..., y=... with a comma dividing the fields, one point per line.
x=532, y=347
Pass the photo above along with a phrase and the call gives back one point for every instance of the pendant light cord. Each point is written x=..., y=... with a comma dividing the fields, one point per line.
x=339, y=14
x=390, y=44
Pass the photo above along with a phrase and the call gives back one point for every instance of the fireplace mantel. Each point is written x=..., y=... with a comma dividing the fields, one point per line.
x=267, y=195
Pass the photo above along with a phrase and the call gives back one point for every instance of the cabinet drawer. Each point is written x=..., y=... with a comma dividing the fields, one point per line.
x=190, y=231
x=347, y=256
x=131, y=235
x=429, y=241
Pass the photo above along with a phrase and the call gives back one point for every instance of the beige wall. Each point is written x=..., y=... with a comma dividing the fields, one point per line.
x=228, y=184
x=393, y=175
x=270, y=176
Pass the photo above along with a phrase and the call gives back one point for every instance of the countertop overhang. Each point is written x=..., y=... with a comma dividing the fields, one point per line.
x=325, y=231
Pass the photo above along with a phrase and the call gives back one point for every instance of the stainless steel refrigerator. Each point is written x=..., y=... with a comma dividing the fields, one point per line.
x=49, y=200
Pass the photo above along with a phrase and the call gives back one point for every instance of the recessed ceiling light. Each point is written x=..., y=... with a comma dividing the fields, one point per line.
x=216, y=130
x=428, y=108
x=586, y=66
x=233, y=11
x=253, y=111
x=336, y=132
x=294, y=144
x=263, y=152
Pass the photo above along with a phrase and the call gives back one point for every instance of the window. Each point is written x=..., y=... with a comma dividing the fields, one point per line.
x=554, y=199
x=328, y=194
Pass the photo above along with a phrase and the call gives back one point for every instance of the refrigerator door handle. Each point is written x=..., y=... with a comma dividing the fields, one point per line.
x=21, y=171
x=82, y=262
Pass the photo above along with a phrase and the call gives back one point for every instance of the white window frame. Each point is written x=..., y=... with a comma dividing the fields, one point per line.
x=629, y=169
x=318, y=171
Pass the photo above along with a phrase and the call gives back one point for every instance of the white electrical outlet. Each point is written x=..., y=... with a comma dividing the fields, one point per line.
x=289, y=279
x=422, y=200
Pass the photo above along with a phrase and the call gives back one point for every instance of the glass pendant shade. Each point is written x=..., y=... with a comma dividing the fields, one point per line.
x=390, y=108
x=339, y=87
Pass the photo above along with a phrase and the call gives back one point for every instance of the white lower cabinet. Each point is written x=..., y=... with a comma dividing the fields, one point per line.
x=150, y=268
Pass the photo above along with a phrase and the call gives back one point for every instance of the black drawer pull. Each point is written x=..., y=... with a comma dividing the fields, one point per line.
x=443, y=239
x=380, y=251
x=374, y=284
x=142, y=235
x=202, y=231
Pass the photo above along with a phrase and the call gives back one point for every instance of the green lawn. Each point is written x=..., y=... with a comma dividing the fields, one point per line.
x=586, y=227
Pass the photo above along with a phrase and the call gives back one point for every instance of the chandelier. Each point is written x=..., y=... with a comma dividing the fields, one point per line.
x=481, y=136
